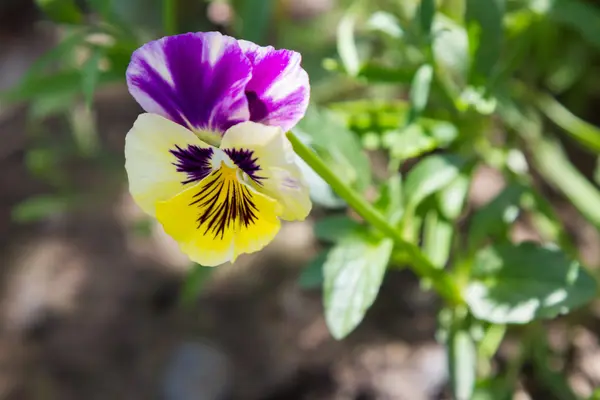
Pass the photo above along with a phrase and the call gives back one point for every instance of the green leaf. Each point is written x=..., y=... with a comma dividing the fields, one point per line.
x=57, y=53
x=493, y=389
x=312, y=275
x=580, y=130
x=389, y=201
x=413, y=141
x=373, y=72
x=554, y=165
x=102, y=7
x=451, y=199
x=61, y=11
x=60, y=84
x=335, y=228
x=419, y=92
x=493, y=219
x=437, y=238
x=38, y=208
x=451, y=50
x=340, y=147
x=463, y=364
x=425, y=13
x=387, y=23
x=430, y=175
x=47, y=105
x=320, y=191
x=485, y=26
x=169, y=16
x=519, y=283
x=353, y=273
x=346, y=44
x=89, y=75
x=579, y=16
x=194, y=282
x=491, y=340
x=255, y=17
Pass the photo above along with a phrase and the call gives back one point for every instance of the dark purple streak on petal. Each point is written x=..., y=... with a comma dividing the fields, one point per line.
x=246, y=161
x=194, y=161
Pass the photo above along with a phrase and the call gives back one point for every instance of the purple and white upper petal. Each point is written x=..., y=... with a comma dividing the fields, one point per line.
x=279, y=90
x=197, y=80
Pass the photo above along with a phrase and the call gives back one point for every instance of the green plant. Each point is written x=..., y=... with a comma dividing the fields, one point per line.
x=442, y=87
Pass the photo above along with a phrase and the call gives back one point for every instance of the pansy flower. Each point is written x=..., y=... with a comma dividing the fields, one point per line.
x=209, y=158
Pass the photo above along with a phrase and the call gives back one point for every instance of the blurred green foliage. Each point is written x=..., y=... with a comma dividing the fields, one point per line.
x=435, y=88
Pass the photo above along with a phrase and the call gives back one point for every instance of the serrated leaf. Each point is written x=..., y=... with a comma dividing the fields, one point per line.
x=430, y=175
x=515, y=284
x=353, y=272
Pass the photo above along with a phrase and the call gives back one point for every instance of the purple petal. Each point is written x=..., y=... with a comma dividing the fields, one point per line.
x=278, y=92
x=196, y=79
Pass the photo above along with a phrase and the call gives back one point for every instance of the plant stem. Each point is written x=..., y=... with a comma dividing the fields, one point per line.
x=170, y=17
x=441, y=281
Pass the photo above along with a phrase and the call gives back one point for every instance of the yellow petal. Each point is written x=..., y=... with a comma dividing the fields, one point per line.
x=219, y=218
x=282, y=178
x=148, y=162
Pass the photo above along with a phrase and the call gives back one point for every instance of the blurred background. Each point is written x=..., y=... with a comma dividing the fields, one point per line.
x=97, y=303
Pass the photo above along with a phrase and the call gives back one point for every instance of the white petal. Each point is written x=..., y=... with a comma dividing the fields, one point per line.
x=283, y=179
x=150, y=164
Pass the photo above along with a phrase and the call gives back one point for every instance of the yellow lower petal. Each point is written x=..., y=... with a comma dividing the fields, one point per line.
x=219, y=218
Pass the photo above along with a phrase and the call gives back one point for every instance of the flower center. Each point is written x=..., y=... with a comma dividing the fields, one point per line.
x=198, y=162
x=224, y=203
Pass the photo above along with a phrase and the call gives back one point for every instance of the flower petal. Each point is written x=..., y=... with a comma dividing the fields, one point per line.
x=279, y=90
x=281, y=177
x=151, y=166
x=195, y=79
x=219, y=218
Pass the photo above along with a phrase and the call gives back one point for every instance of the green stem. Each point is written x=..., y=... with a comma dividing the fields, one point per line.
x=443, y=284
x=170, y=16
